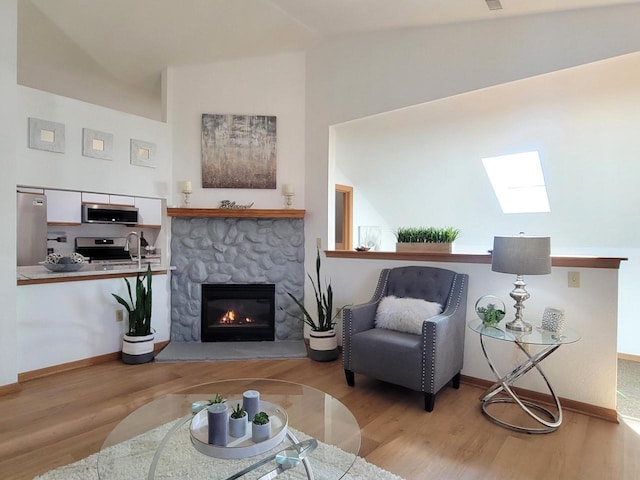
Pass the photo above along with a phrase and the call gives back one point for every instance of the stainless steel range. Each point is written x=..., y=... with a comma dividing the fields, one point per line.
x=106, y=250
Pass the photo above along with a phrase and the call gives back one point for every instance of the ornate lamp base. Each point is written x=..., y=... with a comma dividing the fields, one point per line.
x=519, y=294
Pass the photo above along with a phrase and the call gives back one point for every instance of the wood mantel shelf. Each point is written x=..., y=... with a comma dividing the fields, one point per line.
x=235, y=213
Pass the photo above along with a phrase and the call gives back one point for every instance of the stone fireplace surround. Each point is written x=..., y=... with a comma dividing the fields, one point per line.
x=227, y=249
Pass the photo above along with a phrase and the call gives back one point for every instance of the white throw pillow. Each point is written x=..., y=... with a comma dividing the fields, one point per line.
x=405, y=314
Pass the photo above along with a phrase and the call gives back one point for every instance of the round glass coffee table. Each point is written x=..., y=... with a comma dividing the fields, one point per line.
x=155, y=441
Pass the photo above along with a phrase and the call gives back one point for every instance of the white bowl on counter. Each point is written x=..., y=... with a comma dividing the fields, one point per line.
x=55, y=262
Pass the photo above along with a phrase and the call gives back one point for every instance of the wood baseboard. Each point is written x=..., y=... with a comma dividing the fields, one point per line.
x=86, y=362
x=9, y=388
x=628, y=356
x=567, y=404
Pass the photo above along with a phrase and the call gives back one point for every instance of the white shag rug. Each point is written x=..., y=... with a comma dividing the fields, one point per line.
x=130, y=460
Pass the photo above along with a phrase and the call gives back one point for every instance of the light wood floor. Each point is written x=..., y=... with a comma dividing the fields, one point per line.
x=61, y=418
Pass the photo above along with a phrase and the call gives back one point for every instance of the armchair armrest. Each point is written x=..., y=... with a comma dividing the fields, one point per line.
x=444, y=337
x=360, y=317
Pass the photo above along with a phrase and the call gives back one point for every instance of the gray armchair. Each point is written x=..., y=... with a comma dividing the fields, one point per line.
x=424, y=363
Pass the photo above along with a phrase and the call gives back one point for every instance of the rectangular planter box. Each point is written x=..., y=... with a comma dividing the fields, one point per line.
x=424, y=247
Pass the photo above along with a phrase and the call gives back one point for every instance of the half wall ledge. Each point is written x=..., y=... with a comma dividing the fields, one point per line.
x=234, y=213
x=576, y=261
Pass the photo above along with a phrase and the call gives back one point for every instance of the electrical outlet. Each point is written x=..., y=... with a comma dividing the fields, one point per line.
x=574, y=280
x=119, y=315
x=319, y=242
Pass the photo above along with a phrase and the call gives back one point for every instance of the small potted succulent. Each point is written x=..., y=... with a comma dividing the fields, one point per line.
x=238, y=422
x=490, y=309
x=217, y=399
x=260, y=427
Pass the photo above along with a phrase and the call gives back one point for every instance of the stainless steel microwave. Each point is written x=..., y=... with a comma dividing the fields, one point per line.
x=103, y=213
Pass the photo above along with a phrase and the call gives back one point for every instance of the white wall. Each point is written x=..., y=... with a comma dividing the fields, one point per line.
x=271, y=85
x=356, y=76
x=582, y=120
x=8, y=131
x=71, y=170
x=70, y=321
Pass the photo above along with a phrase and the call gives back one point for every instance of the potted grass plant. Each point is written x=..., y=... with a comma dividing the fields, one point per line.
x=425, y=239
x=137, y=342
x=323, y=343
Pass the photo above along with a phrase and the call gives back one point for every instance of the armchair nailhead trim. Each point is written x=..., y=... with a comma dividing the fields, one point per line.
x=430, y=327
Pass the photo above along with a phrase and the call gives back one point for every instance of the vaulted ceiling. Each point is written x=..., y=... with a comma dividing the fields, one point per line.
x=132, y=41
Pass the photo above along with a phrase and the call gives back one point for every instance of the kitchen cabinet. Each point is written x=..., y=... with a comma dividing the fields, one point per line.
x=149, y=211
x=95, y=197
x=121, y=200
x=63, y=207
x=89, y=197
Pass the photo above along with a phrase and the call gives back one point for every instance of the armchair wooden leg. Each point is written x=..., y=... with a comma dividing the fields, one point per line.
x=429, y=401
x=351, y=378
x=455, y=381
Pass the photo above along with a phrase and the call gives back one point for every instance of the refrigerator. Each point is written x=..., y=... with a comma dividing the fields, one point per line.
x=32, y=228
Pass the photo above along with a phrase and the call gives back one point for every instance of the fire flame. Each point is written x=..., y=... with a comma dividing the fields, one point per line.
x=230, y=317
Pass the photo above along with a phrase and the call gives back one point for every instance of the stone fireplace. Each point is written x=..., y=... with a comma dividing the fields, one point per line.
x=235, y=247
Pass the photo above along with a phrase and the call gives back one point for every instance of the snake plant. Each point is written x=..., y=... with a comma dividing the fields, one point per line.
x=140, y=309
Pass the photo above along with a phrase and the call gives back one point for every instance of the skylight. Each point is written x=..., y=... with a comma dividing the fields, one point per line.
x=518, y=182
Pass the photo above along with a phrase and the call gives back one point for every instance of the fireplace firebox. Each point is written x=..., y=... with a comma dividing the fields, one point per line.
x=237, y=312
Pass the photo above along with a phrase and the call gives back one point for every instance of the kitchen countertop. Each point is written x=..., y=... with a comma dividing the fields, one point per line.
x=39, y=274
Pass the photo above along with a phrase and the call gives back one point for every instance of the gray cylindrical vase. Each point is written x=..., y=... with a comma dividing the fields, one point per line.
x=218, y=417
x=238, y=426
x=251, y=403
x=260, y=433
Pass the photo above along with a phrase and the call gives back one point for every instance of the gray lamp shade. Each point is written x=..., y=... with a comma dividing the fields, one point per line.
x=521, y=255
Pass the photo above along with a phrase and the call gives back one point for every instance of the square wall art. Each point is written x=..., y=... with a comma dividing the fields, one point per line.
x=143, y=153
x=239, y=151
x=97, y=144
x=46, y=135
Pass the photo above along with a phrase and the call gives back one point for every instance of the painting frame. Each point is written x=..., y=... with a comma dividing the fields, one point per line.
x=143, y=154
x=239, y=151
x=92, y=140
x=46, y=135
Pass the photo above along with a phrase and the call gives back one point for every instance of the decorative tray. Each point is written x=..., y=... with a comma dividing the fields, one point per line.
x=241, y=447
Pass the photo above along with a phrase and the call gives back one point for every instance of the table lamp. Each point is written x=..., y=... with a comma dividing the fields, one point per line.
x=521, y=255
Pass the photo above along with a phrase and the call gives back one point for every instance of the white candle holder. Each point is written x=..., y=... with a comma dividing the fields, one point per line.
x=288, y=200
x=287, y=191
x=186, y=197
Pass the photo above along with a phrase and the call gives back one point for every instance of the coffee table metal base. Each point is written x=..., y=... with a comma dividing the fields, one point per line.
x=549, y=420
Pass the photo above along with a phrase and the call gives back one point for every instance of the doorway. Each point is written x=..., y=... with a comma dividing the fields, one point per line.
x=344, y=217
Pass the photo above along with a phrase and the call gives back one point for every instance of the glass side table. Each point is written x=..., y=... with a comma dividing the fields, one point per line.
x=548, y=420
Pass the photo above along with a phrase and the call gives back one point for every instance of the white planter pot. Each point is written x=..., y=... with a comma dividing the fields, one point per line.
x=260, y=433
x=238, y=426
x=137, y=350
x=323, y=346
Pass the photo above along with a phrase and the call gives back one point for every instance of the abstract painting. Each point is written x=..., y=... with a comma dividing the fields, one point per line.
x=238, y=151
